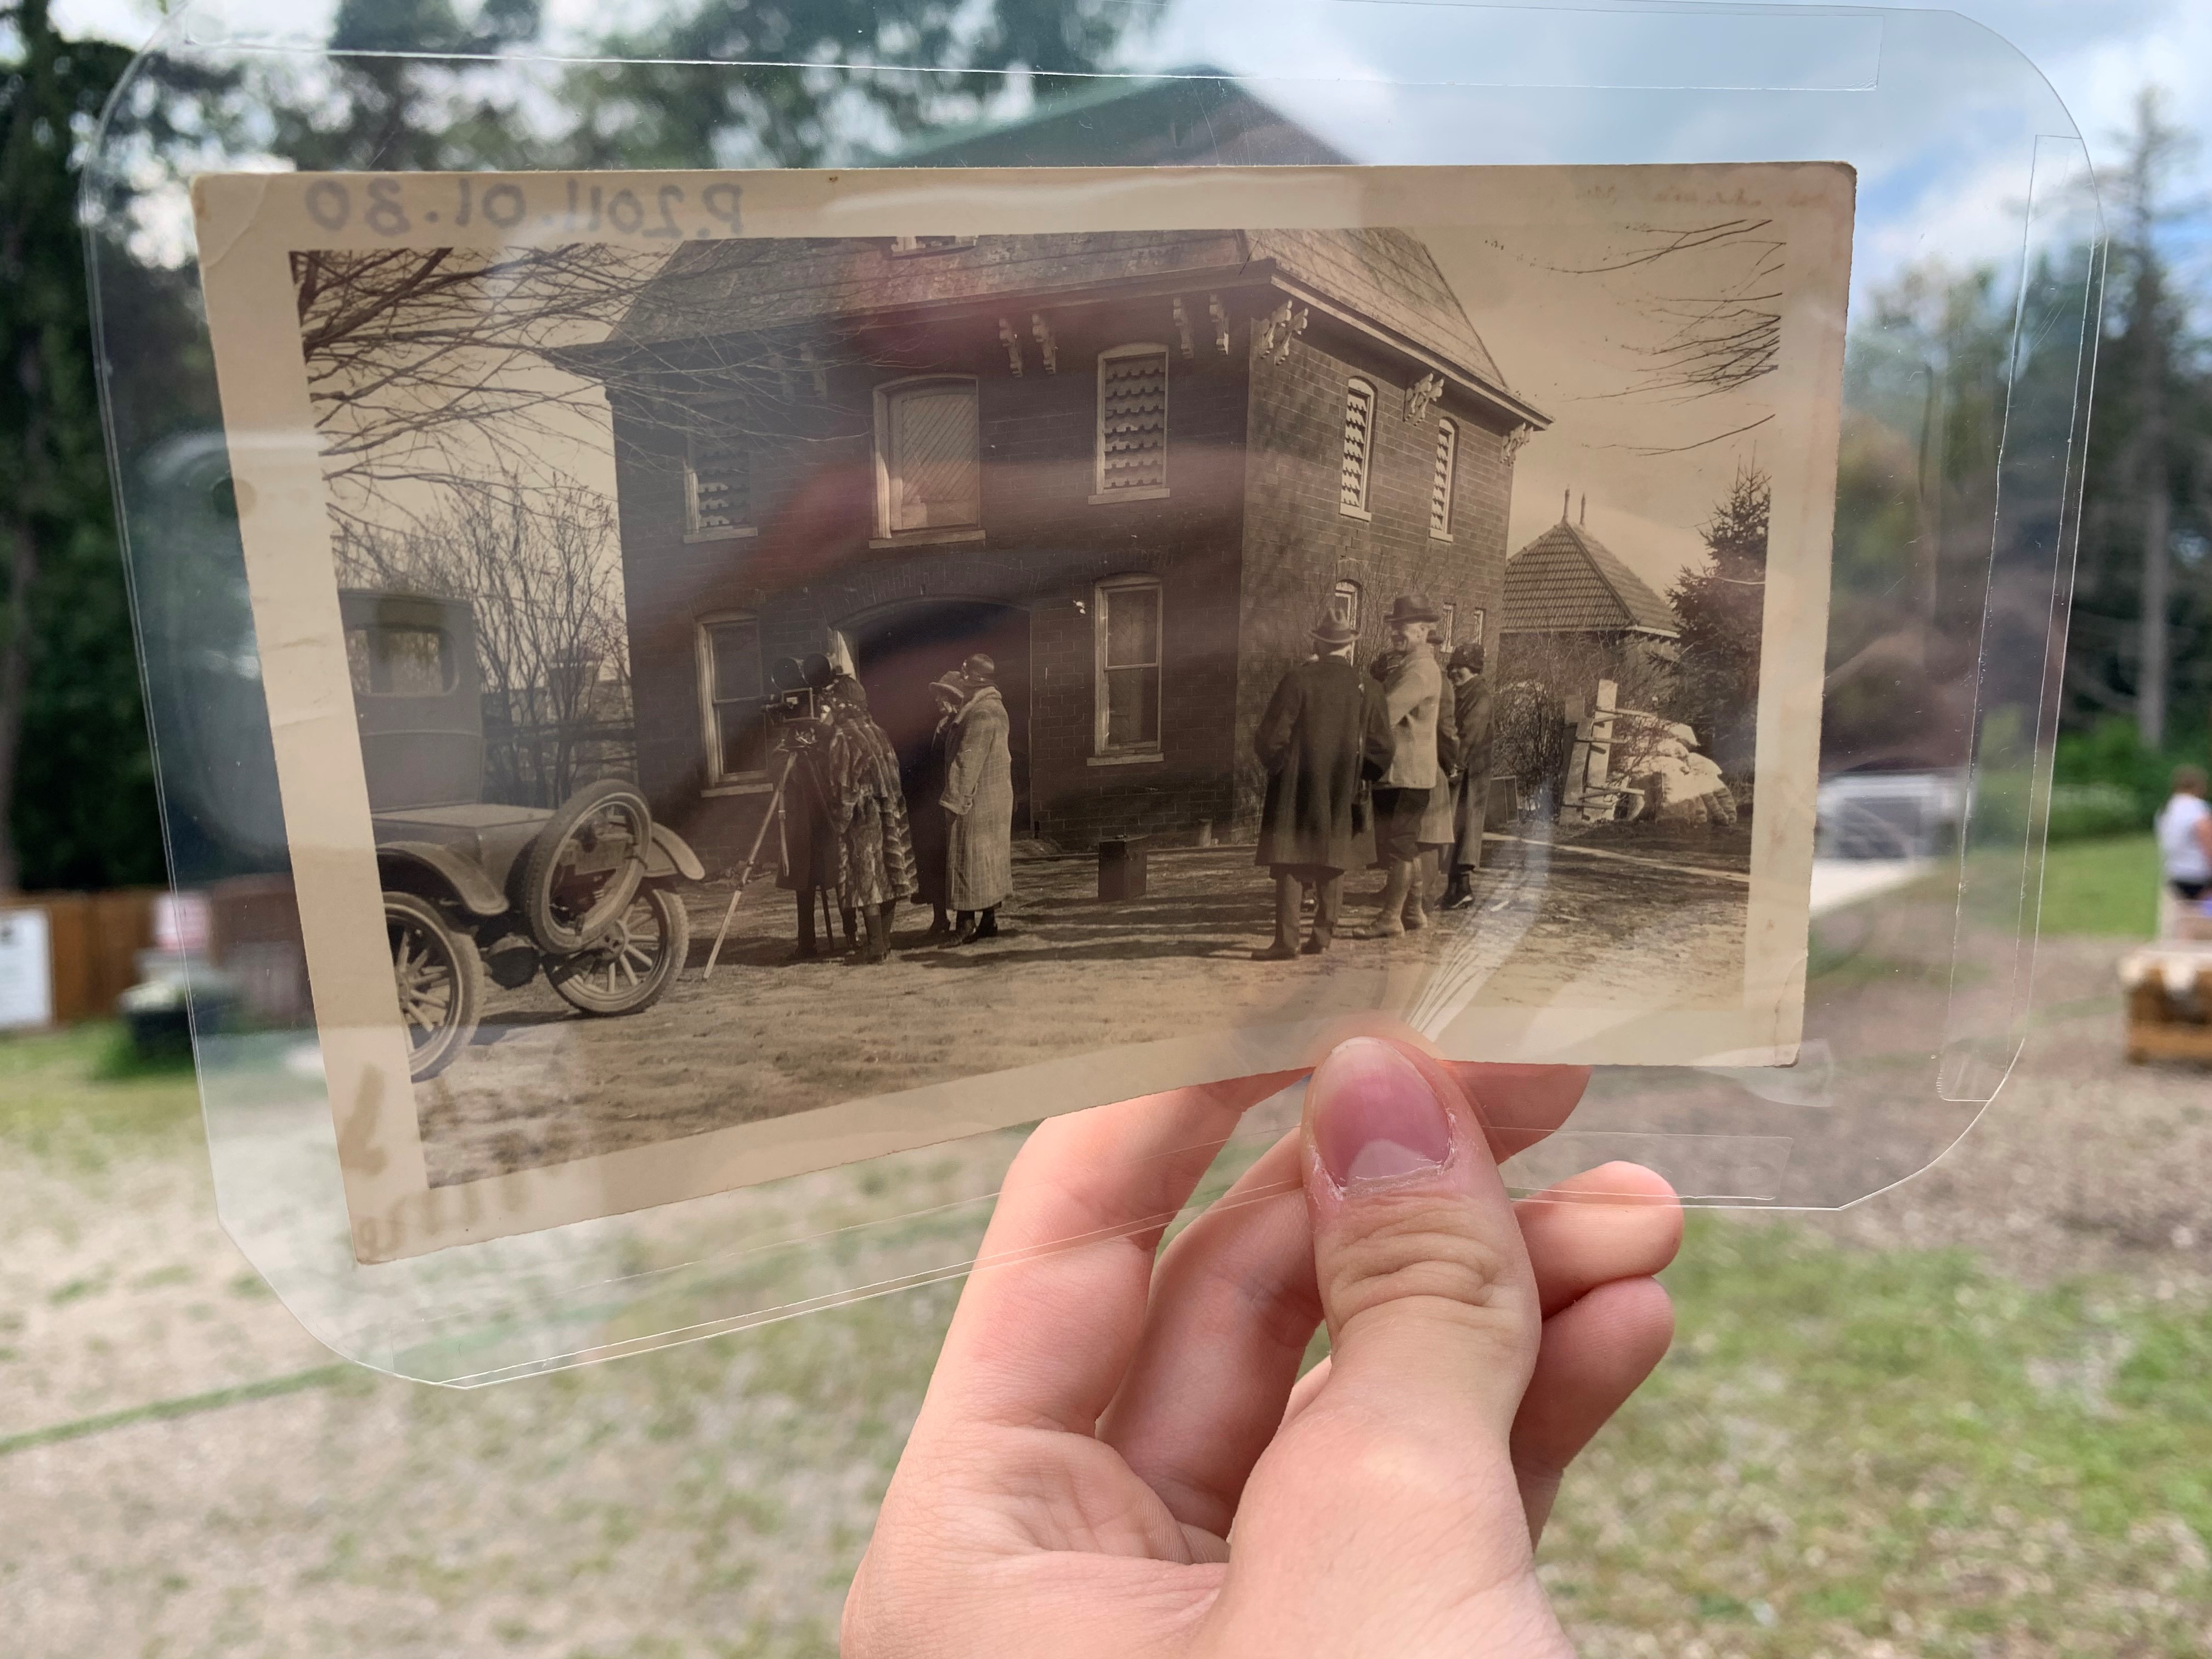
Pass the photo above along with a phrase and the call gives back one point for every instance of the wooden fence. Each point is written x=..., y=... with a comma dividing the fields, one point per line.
x=93, y=941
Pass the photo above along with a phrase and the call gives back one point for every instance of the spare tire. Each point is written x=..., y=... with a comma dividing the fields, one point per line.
x=585, y=866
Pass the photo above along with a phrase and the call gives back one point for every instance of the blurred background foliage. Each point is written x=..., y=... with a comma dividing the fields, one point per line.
x=1930, y=363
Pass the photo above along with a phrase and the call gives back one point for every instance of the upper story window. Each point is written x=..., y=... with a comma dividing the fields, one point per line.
x=1359, y=448
x=1343, y=604
x=1440, y=488
x=927, y=476
x=718, y=496
x=732, y=688
x=1126, y=622
x=1132, y=423
x=930, y=244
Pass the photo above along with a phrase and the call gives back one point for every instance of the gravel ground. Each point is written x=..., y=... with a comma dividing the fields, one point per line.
x=712, y=1500
x=764, y=1037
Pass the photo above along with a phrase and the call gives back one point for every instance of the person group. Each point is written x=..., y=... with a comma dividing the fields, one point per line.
x=851, y=828
x=1405, y=748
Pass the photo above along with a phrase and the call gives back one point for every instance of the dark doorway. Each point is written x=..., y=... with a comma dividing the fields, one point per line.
x=898, y=652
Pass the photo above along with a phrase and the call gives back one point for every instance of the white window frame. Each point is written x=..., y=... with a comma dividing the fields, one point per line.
x=1354, y=389
x=1447, y=474
x=1348, y=589
x=719, y=783
x=1100, y=495
x=1103, y=753
x=887, y=394
x=693, y=532
x=1448, y=629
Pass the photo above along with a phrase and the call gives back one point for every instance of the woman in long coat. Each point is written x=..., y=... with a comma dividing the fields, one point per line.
x=979, y=798
x=932, y=833
x=878, y=851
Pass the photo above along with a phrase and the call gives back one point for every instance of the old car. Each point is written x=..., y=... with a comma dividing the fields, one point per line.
x=475, y=889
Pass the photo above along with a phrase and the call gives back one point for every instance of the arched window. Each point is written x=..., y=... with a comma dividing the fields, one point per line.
x=1447, y=475
x=1126, y=624
x=1343, y=604
x=732, y=686
x=927, y=476
x=1132, y=423
x=1359, y=449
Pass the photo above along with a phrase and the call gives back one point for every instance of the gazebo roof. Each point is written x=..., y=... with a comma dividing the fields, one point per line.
x=1567, y=581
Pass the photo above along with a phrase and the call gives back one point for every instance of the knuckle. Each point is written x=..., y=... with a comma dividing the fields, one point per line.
x=1407, y=1247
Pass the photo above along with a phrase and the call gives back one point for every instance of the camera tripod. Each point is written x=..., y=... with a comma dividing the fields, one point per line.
x=752, y=865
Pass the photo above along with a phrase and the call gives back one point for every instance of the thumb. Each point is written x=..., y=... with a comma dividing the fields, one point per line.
x=1432, y=1310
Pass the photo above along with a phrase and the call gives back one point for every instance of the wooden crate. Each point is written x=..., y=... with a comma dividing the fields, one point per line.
x=2168, y=1001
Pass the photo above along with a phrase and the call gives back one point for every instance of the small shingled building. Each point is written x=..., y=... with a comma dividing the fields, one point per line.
x=1568, y=583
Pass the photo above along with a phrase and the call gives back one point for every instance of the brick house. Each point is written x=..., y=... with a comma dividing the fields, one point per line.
x=1567, y=584
x=1131, y=467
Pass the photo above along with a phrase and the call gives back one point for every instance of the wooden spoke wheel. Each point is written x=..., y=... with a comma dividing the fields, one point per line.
x=585, y=866
x=634, y=962
x=439, y=979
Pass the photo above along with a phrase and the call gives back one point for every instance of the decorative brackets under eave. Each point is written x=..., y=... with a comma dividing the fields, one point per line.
x=1046, y=347
x=1421, y=394
x=1012, y=342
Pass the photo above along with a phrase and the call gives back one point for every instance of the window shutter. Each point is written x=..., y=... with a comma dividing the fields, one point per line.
x=933, y=474
x=721, y=488
x=1358, y=424
x=1132, y=420
x=1440, y=491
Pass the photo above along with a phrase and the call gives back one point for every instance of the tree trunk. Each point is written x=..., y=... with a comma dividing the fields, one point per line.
x=2157, y=498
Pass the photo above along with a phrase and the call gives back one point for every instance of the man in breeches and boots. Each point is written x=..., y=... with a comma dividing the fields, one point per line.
x=1470, y=694
x=813, y=861
x=1324, y=733
x=1411, y=693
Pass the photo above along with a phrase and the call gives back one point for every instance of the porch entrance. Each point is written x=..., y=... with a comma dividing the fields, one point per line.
x=899, y=650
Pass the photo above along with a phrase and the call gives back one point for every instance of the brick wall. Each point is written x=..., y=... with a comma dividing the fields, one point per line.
x=1045, y=545
x=1298, y=545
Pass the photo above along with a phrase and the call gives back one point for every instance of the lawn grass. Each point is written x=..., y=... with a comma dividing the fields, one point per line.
x=80, y=1095
x=2106, y=887
x=1847, y=1446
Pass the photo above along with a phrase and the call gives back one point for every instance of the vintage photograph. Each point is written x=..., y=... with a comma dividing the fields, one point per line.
x=796, y=671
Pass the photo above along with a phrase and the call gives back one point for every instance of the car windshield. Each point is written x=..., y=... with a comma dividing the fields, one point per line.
x=400, y=662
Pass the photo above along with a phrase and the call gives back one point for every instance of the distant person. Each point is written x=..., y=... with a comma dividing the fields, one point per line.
x=978, y=795
x=1323, y=735
x=862, y=774
x=2184, y=835
x=1412, y=688
x=927, y=816
x=1471, y=707
x=812, y=862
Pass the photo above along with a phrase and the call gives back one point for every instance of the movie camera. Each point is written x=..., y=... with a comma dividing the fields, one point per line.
x=794, y=707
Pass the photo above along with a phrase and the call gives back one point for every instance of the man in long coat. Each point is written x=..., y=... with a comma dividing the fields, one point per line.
x=979, y=798
x=1411, y=694
x=1324, y=733
x=1471, y=696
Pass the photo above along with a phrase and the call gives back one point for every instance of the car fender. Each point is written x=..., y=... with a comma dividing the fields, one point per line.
x=476, y=890
x=671, y=856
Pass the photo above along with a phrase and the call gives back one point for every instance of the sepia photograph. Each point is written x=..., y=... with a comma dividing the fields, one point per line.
x=831, y=667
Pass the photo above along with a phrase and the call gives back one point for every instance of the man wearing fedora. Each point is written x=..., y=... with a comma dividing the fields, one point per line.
x=1412, y=690
x=1324, y=733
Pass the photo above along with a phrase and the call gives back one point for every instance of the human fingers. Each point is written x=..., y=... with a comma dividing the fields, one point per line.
x=1519, y=1105
x=1386, y=1517
x=1619, y=1221
x=1233, y=1306
x=1052, y=1312
x=1596, y=1351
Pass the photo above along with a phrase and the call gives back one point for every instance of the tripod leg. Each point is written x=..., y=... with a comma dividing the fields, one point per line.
x=745, y=872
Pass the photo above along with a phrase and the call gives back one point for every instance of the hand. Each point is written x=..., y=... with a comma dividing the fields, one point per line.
x=1100, y=1425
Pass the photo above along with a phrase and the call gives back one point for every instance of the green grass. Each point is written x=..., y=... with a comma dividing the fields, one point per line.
x=2106, y=887
x=78, y=1096
x=1842, y=1440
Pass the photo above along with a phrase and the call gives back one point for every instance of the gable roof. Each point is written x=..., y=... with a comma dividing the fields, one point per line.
x=1384, y=276
x=1567, y=581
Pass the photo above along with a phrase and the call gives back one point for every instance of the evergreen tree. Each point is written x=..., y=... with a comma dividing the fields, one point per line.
x=1723, y=609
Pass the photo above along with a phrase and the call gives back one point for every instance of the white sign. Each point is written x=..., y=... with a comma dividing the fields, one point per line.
x=26, y=971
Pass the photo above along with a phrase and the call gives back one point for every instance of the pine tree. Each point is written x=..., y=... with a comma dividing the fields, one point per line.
x=1722, y=608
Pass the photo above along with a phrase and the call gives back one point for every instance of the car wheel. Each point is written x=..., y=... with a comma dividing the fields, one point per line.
x=586, y=866
x=634, y=964
x=439, y=979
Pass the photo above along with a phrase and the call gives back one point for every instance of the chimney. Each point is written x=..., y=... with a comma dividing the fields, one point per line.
x=1566, y=504
x=1585, y=509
